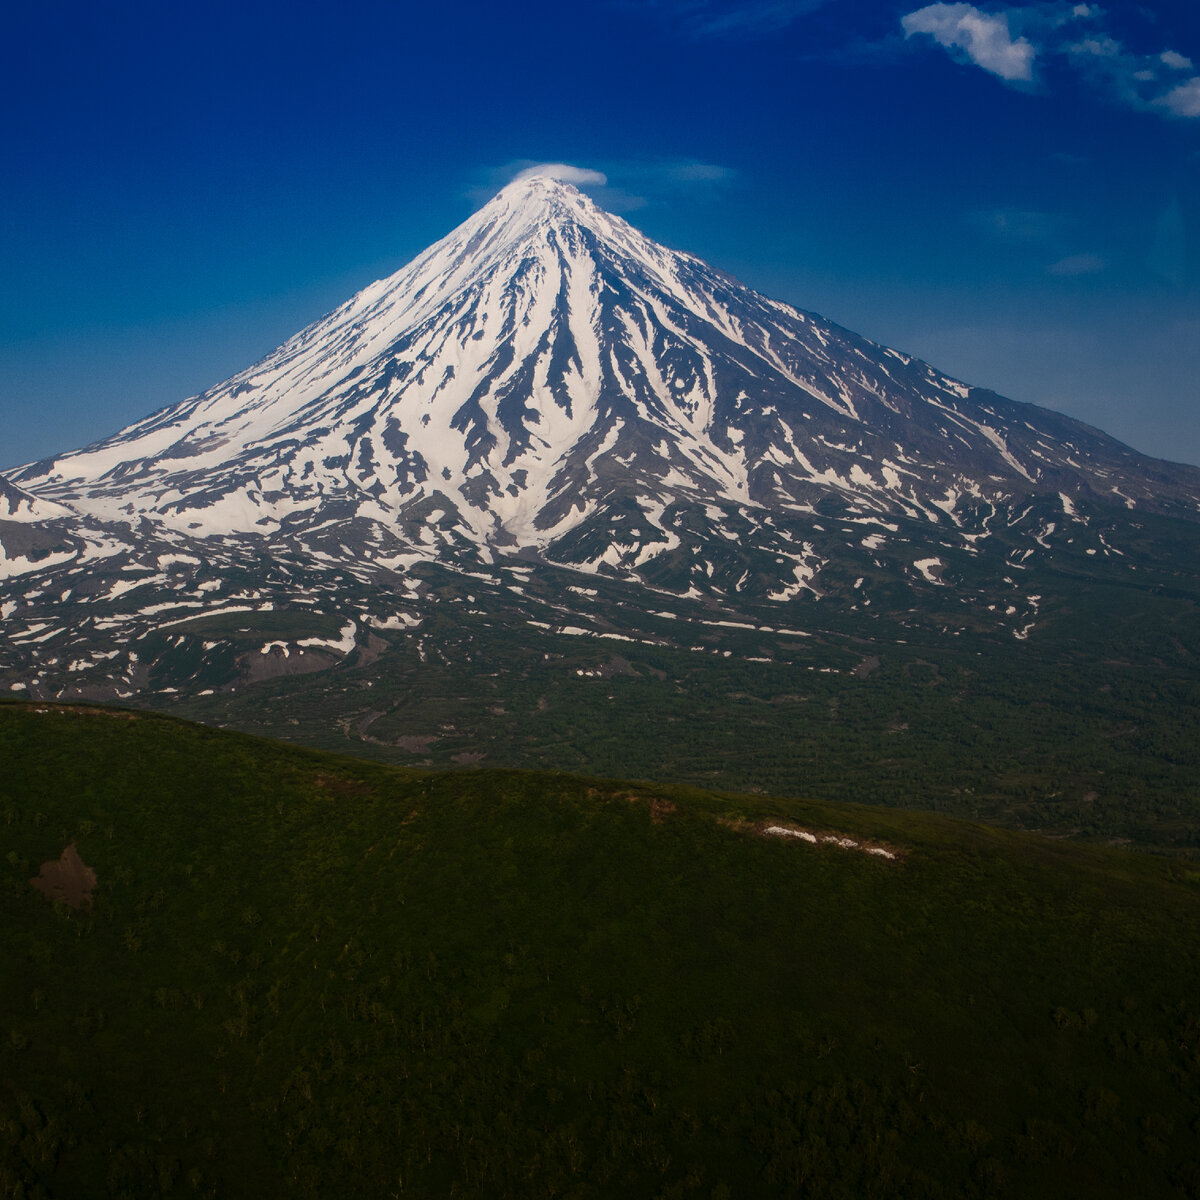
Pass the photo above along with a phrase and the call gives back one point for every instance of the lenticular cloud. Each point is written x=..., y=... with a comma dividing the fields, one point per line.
x=565, y=173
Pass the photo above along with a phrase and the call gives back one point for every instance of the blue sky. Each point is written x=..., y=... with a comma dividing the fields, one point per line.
x=1011, y=191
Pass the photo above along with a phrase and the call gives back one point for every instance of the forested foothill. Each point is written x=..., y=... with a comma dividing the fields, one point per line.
x=297, y=974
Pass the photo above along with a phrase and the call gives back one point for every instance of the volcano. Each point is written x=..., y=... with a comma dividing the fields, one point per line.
x=548, y=394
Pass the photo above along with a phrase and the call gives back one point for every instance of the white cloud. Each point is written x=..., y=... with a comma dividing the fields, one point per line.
x=1137, y=80
x=997, y=42
x=1097, y=47
x=1078, y=264
x=565, y=173
x=1184, y=100
x=633, y=186
x=595, y=183
x=984, y=38
x=492, y=179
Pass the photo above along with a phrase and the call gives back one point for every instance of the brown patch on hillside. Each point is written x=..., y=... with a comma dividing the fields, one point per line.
x=617, y=665
x=737, y=824
x=660, y=809
x=69, y=878
x=369, y=650
x=276, y=662
x=344, y=787
x=414, y=743
x=87, y=710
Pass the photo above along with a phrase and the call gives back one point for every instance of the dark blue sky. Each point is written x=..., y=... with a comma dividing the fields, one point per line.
x=1010, y=191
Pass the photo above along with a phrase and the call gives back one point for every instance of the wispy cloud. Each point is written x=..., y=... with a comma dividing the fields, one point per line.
x=690, y=171
x=674, y=174
x=1016, y=226
x=1041, y=236
x=1011, y=42
x=1148, y=82
x=721, y=18
x=975, y=36
x=1078, y=264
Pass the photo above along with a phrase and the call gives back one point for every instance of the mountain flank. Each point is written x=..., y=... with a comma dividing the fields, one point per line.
x=426, y=526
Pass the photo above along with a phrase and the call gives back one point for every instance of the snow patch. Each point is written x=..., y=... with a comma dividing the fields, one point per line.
x=927, y=567
x=342, y=644
x=828, y=839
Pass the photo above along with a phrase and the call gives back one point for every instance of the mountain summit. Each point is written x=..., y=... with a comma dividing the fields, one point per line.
x=546, y=385
x=546, y=357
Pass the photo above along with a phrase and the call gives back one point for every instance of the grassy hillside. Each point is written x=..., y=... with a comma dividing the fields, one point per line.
x=303, y=975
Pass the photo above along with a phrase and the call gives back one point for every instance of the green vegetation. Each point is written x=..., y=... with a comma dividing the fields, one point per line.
x=304, y=975
x=1091, y=728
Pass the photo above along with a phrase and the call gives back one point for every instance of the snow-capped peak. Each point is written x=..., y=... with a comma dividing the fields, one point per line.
x=546, y=361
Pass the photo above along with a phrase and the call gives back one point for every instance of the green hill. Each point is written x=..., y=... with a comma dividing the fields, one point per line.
x=303, y=975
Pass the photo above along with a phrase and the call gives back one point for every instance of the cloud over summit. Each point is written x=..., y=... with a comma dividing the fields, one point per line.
x=564, y=173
